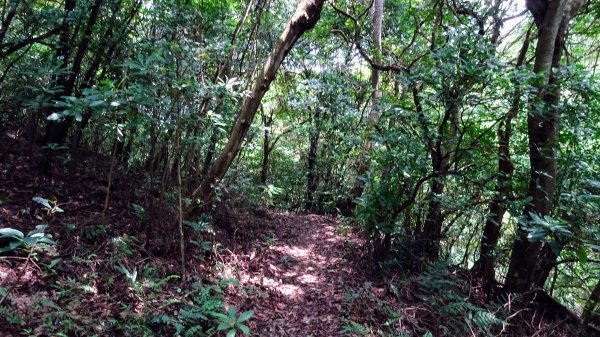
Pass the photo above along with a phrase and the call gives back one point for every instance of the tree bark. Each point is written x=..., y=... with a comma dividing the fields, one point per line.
x=431, y=235
x=312, y=179
x=531, y=262
x=374, y=114
x=484, y=266
x=306, y=16
x=57, y=130
x=264, y=170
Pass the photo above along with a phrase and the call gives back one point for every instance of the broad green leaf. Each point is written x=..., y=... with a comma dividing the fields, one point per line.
x=54, y=263
x=594, y=247
x=219, y=315
x=11, y=246
x=555, y=247
x=223, y=326
x=47, y=241
x=246, y=316
x=30, y=241
x=42, y=201
x=231, y=311
x=245, y=329
x=54, y=116
x=582, y=255
x=11, y=232
x=231, y=333
x=96, y=103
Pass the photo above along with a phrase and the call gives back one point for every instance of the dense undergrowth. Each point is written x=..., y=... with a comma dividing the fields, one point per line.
x=68, y=268
x=71, y=268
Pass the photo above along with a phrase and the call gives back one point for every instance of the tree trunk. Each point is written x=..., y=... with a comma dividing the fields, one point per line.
x=264, y=170
x=312, y=180
x=484, y=266
x=530, y=262
x=306, y=16
x=374, y=114
x=431, y=235
x=57, y=130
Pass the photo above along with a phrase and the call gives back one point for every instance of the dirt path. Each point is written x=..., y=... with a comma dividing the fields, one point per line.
x=296, y=278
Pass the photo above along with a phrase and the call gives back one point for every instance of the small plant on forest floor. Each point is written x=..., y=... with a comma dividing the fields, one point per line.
x=123, y=246
x=202, y=228
x=383, y=318
x=204, y=314
x=31, y=243
x=95, y=232
x=270, y=240
x=35, y=239
x=232, y=322
x=50, y=206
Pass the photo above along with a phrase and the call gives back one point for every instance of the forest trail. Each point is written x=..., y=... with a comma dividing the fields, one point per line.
x=297, y=277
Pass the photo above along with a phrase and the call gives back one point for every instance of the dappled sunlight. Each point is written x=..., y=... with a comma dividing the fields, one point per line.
x=308, y=278
x=300, y=272
x=290, y=291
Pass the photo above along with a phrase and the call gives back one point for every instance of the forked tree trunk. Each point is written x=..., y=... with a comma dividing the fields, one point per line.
x=306, y=16
x=531, y=262
x=57, y=130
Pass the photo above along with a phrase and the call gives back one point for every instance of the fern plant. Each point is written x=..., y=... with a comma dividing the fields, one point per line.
x=447, y=297
x=204, y=315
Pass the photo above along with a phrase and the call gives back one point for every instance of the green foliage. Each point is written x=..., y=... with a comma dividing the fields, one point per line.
x=130, y=275
x=94, y=232
x=158, y=86
x=448, y=295
x=353, y=328
x=51, y=207
x=35, y=239
x=385, y=319
x=233, y=323
x=205, y=315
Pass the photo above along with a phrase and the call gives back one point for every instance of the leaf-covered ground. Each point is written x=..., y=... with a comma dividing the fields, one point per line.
x=109, y=275
x=300, y=273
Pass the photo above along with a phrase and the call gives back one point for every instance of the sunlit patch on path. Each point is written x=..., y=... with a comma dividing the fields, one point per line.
x=296, y=278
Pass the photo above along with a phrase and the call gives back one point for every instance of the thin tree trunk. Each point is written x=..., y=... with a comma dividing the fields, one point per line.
x=58, y=129
x=440, y=163
x=484, y=266
x=311, y=174
x=306, y=16
x=374, y=114
x=63, y=51
x=264, y=171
